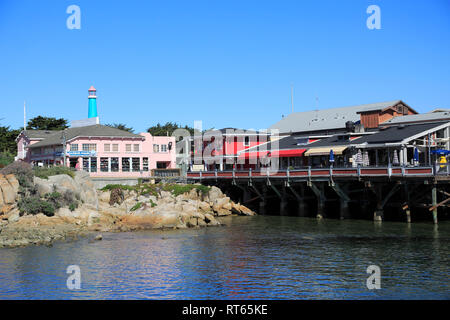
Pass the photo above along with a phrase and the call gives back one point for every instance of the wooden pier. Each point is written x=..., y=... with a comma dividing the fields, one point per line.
x=354, y=192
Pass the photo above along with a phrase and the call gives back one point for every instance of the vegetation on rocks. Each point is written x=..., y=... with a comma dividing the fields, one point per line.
x=35, y=205
x=146, y=189
x=45, y=172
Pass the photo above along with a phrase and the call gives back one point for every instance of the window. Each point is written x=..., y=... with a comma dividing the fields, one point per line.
x=89, y=147
x=161, y=165
x=144, y=164
x=136, y=148
x=136, y=164
x=93, y=164
x=126, y=164
x=86, y=164
x=114, y=164
x=107, y=147
x=246, y=141
x=74, y=147
x=104, y=164
x=164, y=148
x=115, y=147
x=156, y=148
x=128, y=147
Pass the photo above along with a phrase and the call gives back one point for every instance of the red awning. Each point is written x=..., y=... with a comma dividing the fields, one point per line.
x=287, y=153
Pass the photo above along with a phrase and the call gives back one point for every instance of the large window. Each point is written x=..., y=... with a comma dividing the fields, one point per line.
x=89, y=147
x=114, y=164
x=136, y=148
x=128, y=147
x=247, y=141
x=164, y=148
x=126, y=164
x=144, y=164
x=115, y=147
x=104, y=164
x=74, y=147
x=136, y=164
x=107, y=147
x=156, y=148
x=93, y=164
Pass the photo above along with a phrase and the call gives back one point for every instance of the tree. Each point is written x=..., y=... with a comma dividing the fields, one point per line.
x=167, y=129
x=8, y=140
x=47, y=123
x=121, y=126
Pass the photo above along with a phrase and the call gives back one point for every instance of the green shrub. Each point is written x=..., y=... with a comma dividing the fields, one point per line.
x=73, y=206
x=23, y=172
x=44, y=172
x=136, y=206
x=34, y=205
x=6, y=158
x=152, y=203
x=117, y=186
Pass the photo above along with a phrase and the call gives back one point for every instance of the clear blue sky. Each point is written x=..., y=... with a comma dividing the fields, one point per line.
x=227, y=63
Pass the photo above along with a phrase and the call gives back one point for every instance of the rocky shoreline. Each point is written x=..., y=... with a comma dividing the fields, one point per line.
x=112, y=209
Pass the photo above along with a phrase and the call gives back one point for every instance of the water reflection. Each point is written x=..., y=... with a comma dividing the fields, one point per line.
x=251, y=258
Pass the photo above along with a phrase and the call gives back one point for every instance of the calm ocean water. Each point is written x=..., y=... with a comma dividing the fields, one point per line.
x=263, y=257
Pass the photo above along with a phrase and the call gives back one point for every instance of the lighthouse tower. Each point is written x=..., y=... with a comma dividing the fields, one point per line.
x=92, y=112
x=92, y=118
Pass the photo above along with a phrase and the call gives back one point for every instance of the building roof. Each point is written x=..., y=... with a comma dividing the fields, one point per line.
x=399, y=133
x=326, y=119
x=97, y=130
x=424, y=117
x=38, y=134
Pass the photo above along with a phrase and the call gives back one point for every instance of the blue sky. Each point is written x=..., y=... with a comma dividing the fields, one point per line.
x=227, y=63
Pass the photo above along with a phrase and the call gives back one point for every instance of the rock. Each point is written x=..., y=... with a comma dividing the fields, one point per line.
x=87, y=188
x=104, y=196
x=13, y=182
x=14, y=217
x=214, y=194
x=209, y=219
x=201, y=223
x=116, y=196
x=43, y=186
x=235, y=208
x=8, y=194
x=193, y=194
x=63, y=182
x=94, y=217
x=246, y=211
x=98, y=237
x=192, y=222
x=64, y=212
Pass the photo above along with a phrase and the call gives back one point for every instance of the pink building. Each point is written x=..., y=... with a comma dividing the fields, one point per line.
x=101, y=150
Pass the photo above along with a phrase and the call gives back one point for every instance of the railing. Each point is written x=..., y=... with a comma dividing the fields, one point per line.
x=330, y=172
x=165, y=173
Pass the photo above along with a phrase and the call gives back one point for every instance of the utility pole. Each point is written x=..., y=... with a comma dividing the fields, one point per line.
x=64, y=146
x=292, y=97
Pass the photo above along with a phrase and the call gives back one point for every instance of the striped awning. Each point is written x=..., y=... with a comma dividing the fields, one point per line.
x=324, y=151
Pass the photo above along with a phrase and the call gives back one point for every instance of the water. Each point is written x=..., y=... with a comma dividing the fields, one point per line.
x=258, y=257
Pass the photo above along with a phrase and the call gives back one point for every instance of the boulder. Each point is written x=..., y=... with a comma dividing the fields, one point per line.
x=209, y=219
x=246, y=211
x=214, y=194
x=43, y=186
x=8, y=194
x=14, y=217
x=64, y=212
x=13, y=182
x=104, y=196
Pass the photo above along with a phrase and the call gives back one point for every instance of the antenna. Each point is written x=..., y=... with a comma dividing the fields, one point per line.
x=292, y=97
x=24, y=117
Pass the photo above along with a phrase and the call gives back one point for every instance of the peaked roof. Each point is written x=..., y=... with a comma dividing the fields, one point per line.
x=98, y=130
x=38, y=134
x=424, y=117
x=334, y=118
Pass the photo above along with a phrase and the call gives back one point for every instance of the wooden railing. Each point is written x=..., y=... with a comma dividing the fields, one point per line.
x=317, y=173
